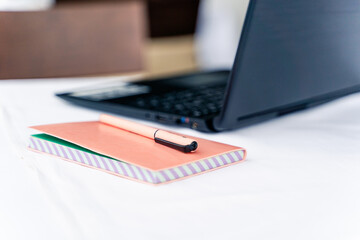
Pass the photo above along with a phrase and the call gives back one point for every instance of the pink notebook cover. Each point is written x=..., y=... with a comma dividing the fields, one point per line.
x=138, y=152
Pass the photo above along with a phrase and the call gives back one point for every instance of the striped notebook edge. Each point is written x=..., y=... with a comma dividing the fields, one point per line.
x=123, y=169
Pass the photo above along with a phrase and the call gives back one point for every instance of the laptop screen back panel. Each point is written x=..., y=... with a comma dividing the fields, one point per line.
x=293, y=53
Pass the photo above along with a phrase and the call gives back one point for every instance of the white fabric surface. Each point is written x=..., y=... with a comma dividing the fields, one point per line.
x=300, y=180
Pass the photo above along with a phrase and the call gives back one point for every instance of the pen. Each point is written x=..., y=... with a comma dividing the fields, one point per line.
x=168, y=139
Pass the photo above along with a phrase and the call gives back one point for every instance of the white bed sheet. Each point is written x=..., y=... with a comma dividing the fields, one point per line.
x=300, y=180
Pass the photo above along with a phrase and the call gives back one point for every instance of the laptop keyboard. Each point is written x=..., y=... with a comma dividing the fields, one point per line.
x=199, y=102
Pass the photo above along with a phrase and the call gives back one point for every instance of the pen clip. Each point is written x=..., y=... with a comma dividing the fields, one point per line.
x=183, y=148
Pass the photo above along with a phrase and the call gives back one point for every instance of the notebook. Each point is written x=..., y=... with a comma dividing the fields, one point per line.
x=125, y=154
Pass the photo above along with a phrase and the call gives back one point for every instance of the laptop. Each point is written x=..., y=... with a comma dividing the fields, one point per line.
x=292, y=55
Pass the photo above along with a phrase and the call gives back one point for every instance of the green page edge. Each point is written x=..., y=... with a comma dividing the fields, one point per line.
x=59, y=141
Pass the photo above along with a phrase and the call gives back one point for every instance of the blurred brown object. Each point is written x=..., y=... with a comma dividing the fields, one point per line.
x=172, y=17
x=72, y=40
x=166, y=17
x=170, y=55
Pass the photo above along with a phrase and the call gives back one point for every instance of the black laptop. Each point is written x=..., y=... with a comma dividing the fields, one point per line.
x=292, y=55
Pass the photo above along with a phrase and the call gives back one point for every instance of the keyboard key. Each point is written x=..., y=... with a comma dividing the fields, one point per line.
x=197, y=102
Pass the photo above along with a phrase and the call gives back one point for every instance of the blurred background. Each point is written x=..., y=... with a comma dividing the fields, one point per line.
x=65, y=38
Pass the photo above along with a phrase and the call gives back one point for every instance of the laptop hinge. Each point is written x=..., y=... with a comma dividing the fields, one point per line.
x=292, y=109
